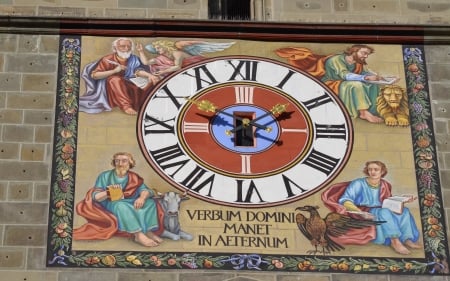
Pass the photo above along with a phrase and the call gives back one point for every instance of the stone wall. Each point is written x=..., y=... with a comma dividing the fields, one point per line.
x=28, y=70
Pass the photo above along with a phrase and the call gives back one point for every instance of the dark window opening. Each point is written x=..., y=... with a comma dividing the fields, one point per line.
x=244, y=135
x=229, y=9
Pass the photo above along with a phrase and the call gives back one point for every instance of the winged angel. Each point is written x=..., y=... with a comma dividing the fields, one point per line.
x=173, y=55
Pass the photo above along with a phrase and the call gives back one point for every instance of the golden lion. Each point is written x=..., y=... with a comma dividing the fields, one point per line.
x=392, y=105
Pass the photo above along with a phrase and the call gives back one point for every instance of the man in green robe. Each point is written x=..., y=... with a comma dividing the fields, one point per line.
x=120, y=204
x=345, y=74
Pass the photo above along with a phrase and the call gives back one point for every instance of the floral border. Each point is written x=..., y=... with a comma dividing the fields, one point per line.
x=60, y=254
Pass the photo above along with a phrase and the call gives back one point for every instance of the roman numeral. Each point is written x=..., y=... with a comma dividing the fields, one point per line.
x=317, y=101
x=244, y=94
x=191, y=127
x=285, y=79
x=194, y=177
x=202, y=75
x=156, y=126
x=167, y=93
x=251, y=191
x=321, y=162
x=165, y=155
x=246, y=164
x=245, y=69
x=331, y=131
x=287, y=184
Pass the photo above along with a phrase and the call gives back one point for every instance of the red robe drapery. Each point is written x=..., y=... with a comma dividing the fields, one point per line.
x=314, y=64
x=330, y=198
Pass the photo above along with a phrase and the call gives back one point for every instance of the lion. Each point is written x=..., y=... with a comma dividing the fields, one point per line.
x=392, y=105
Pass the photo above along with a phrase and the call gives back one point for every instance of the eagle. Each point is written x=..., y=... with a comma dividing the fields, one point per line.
x=319, y=230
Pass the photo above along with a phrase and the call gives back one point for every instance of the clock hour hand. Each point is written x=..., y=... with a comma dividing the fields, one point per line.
x=207, y=106
x=276, y=110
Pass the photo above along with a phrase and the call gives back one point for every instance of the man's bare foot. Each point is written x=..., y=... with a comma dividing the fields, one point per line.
x=366, y=115
x=412, y=245
x=399, y=247
x=130, y=111
x=154, y=237
x=142, y=239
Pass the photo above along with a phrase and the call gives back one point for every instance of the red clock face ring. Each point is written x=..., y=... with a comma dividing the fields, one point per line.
x=222, y=142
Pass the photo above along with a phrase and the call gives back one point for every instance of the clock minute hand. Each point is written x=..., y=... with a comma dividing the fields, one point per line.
x=276, y=110
x=207, y=106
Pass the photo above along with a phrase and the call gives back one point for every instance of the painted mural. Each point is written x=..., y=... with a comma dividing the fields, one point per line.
x=175, y=153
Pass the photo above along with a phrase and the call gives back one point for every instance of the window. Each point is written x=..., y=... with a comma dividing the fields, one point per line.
x=229, y=9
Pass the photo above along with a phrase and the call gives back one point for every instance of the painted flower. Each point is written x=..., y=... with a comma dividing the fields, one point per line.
x=109, y=260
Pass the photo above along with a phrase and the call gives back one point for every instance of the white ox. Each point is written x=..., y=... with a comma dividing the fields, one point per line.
x=170, y=203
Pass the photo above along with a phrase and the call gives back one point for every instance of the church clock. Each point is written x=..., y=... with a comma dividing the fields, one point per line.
x=245, y=131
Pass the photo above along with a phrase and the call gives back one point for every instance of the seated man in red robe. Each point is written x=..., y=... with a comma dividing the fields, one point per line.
x=109, y=81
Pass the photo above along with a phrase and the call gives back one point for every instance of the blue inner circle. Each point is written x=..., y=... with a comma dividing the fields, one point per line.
x=262, y=138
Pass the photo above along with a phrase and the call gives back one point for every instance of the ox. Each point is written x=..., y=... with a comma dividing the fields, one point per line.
x=170, y=203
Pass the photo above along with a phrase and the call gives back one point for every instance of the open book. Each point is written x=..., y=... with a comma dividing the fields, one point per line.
x=141, y=82
x=396, y=203
x=388, y=80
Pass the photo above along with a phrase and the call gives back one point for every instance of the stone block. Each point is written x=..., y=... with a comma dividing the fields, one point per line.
x=126, y=13
x=442, y=142
x=184, y=4
x=31, y=101
x=437, y=53
x=341, y=5
x=20, y=191
x=32, y=152
x=205, y=276
x=2, y=99
x=441, y=109
x=439, y=90
x=36, y=260
x=43, y=134
x=11, y=116
x=38, y=117
x=305, y=277
x=90, y=3
x=18, y=133
x=9, y=150
x=23, y=213
x=24, y=171
x=426, y=6
x=438, y=72
x=441, y=126
x=3, y=191
x=49, y=44
x=41, y=192
x=142, y=4
x=28, y=43
x=17, y=10
x=61, y=11
x=95, y=12
x=8, y=42
x=145, y=277
x=445, y=179
x=318, y=6
x=31, y=63
x=25, y=235
x=30, y=275
x=39, y=82
x=2, y=62
x=10, y=81
x=98, y=275
x=12, y=258
x=385, y=7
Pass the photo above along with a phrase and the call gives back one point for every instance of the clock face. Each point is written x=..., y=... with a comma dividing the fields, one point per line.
x=245, y=131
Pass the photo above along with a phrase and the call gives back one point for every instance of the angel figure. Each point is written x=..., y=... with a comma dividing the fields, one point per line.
x=172, y=56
